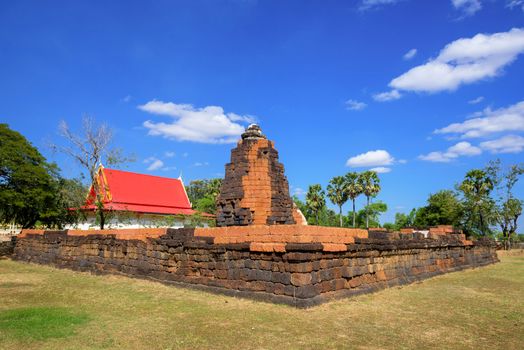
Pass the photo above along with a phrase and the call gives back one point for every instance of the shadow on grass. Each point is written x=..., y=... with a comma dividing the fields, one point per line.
x=40, y=323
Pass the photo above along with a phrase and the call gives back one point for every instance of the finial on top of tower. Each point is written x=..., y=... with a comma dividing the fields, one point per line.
x=253, y=131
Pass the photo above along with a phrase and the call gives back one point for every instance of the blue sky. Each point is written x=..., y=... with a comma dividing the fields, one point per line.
x=425, y=90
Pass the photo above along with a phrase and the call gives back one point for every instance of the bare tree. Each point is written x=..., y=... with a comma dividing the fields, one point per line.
x=89, y=149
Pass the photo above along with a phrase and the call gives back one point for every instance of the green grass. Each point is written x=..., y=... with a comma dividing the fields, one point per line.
x=474, y=309
x=40, y=323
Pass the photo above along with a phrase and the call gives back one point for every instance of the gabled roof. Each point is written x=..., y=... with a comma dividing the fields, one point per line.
x=128, y=191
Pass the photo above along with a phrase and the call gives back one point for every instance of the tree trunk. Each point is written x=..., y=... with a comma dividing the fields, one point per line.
x=508, y=241
x=354, y=214
x=101, y=214
x=367, y=214
x=340, y=214
x=102, y=219
x=481, y=218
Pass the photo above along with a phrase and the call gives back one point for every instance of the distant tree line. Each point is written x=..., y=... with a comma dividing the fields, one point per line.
x=482, y=204
x=340, y=190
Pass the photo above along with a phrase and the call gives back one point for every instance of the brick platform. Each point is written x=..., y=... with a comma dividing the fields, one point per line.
x=292, y=264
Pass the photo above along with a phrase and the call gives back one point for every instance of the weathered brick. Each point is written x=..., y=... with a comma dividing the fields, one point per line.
x=300, y=279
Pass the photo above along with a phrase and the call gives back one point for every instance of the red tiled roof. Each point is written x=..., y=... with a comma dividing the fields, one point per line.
x=128, y=191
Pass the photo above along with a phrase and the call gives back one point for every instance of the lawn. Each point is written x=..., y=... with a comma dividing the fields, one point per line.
x=46, y=308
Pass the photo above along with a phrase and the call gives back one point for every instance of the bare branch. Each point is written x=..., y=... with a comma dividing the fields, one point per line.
x=89, y=149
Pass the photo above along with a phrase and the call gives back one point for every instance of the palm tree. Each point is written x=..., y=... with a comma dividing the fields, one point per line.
x=353, y=189
x=337, y=193
x=370, y=183
x=315, y=200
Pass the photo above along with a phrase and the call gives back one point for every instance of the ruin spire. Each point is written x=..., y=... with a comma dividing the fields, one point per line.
x=255, y=190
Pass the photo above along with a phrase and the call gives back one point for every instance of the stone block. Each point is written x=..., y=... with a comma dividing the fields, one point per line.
x=300, y=279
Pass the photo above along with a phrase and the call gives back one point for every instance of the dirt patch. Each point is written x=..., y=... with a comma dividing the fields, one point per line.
x=512, y=252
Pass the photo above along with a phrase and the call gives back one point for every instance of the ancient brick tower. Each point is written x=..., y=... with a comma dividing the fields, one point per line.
x=255, y=190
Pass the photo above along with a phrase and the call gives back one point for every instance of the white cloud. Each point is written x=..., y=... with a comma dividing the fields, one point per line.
x=464, y=61
x=199, y=164
x=410, y=54
x=464, y=149
x=381, y=170
x=371, y=159
x=439, y=157
x=402, y=161
x=299, y=192
x=169, y=154
x=155, y=165
x=488, y=122
x=126, y=99
x=476, y=100
x=387, y=96
x=370, y=4
x=205, y=125
x=460, y=149
x=249, y=119
x=468, y=7
x=506, y=144
x=355, y=105
x=515, y=3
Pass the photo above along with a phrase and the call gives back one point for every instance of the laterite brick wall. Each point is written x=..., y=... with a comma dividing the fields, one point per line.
x=292, y=264
x=6, y=247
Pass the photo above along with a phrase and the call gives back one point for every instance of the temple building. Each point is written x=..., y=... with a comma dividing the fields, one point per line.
x=133, y=200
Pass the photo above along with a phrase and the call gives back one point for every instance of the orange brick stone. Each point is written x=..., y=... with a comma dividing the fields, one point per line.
x=26, y=232
x=267, y=247
x=334, y=247
x=282, y=234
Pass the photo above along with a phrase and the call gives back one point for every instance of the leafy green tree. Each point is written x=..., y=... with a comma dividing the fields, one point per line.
x=370, y=216
x=206, y=205
x=196, y=190
x=443, y=208
x=337, y=193
x=28, y=188
x=405, y=220
x=370, y=183
x=390, y=226
x=478, y=205
x=353, y=189
x=507, y=209
x=328, y=217
x=315, y=201
x=203, y=194
x=70, y=196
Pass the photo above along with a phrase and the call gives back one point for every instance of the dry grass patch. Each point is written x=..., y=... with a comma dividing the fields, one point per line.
x=480, y=308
